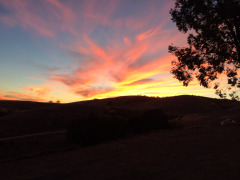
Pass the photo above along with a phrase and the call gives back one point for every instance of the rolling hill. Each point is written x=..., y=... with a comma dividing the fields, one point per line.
x=32, y=117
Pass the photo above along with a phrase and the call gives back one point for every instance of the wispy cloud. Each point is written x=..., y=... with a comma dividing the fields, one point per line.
x=4, y=96
x=20, y=96
x=119, y=47
x=42, y=17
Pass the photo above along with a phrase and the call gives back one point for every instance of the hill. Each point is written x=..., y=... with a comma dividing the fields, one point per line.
x=32, y=117
x=10, y=107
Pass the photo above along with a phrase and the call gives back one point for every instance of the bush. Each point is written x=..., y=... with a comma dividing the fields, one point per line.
x=4, y=112
x=149, y=120
x=110, y=125
x=95, y=129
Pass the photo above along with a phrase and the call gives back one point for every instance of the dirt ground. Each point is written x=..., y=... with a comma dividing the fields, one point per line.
x=199, y=152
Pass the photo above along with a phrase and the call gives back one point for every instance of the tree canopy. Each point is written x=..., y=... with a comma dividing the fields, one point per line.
x=213, y=43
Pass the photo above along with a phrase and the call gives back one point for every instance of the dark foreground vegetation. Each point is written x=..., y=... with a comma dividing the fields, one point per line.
x=115, y=124
x=213, y=49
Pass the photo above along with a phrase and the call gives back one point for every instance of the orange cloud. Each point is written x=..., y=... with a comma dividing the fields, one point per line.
x=40, y=94
x=40, y=91
x=20, y=96
x=5, y=97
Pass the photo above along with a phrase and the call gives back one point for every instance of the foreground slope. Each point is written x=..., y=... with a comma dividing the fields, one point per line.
x=193, y=153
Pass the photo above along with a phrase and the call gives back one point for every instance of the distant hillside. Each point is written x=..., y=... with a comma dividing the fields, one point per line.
x=10, y=107
x=31, y=117
x=184, y=104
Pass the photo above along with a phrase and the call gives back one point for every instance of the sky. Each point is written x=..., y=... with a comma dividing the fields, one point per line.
x=73, y=50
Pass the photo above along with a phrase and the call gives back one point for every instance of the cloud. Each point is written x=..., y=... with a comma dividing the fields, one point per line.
x=34, y=93
x=138, y=56
x=43, y=17
x=118, y=47
x=89, y=92
x=141, y=81
x=3, y=96
x=21, y=96
x=40, y=91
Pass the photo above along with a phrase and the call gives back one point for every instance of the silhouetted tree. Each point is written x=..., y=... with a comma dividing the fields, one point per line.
x=214, y=44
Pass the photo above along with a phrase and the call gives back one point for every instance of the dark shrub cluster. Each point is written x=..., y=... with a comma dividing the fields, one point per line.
x=148, y=120
x=94, y=128
x=4, y=112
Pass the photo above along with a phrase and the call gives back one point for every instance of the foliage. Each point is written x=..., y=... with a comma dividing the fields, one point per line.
x=57, y=102
x=149, y=120
x=214, y=44
x=95, y=129
x=5, y=111
x=111, y=125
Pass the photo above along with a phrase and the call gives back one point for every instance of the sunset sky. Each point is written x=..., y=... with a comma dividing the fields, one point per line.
x=73, y=50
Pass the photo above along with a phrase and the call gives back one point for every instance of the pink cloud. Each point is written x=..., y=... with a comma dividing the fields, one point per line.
x=30, y=16
x=127, y=41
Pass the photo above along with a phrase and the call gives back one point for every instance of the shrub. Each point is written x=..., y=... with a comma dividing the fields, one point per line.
x=95, y=129
x=112, y=124
x=149, y=120
x=4, y=112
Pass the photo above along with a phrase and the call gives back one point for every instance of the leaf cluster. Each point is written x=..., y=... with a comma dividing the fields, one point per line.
x=214, y=44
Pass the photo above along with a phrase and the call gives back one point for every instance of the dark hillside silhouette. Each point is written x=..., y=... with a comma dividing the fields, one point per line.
x=58, y=116
x=10, y=107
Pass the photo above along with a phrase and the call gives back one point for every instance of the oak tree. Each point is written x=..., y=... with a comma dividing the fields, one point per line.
x=213, y=43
